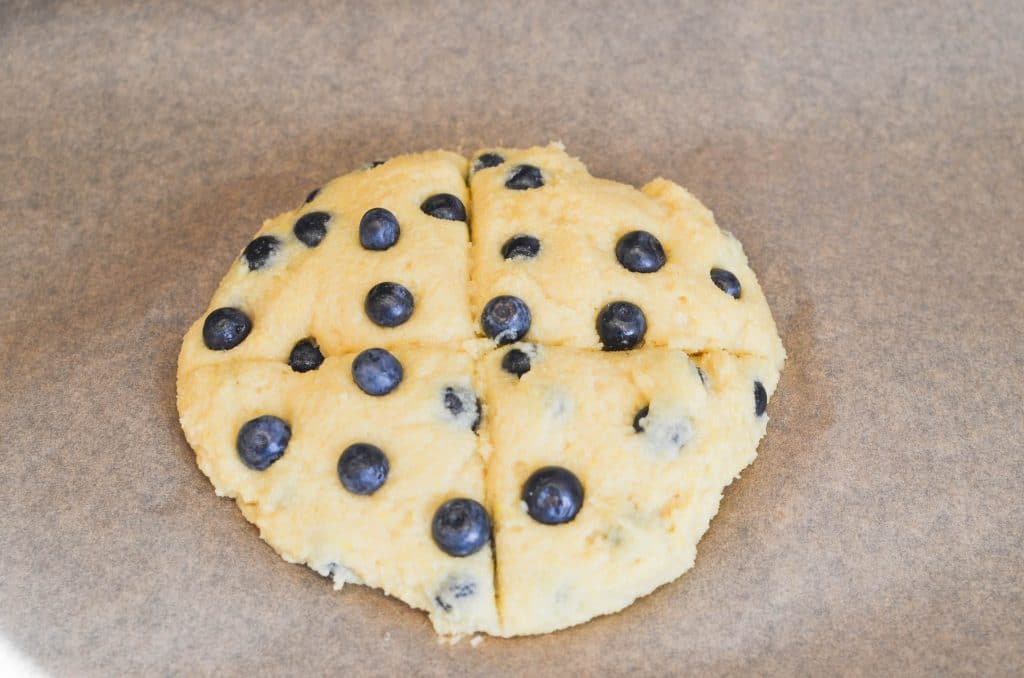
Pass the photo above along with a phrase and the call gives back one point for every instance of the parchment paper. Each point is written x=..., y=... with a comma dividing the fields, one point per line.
x=869, y=155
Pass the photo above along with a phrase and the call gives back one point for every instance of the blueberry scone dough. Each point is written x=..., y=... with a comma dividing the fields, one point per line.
x=513, y=404
x=568, y=244
x=367, y=278
x=307, y=273
x=305, y=512
x=651, y=441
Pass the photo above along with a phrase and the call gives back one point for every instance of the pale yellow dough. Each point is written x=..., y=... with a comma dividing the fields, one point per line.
x=649, y=496
x=578, y=220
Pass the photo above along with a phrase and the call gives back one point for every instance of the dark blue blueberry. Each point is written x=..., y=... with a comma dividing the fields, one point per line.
x=726, y=282
x=312, y=195
x=506, y=319
x=553, y=495
x=463, y=405
x=461, y=527
x=524, y=177
x=621, y=326
x=640, y=252
x=444, y=206
x=640, y=414
x=262, y=441
x=760, y=399
x=225, y=328
x=363, y=468
x=516, y=362
x=305, y=356
x=376, y=372
x=378, y=229
x=311, y=228
x=487, y=160
x=521, y=246
x=258, y=252
x=389, y=304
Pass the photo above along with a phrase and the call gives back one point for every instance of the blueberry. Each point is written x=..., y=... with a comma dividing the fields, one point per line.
x=553, y=495
x=389, y=304
x=516, y=362
x=312, y=195
x=225, y=328
x=640, y=252
x=262, y=441
x=376, y=372
x=311, y=228
x=760, y=399
x=487, y=160
x=524, y=177
x=453, y=589
x=363, y=468
x=640, y=414
x=444, y=206
x=461, y=527
x=305, y=356
x=665, y=437
x=726, y=282
x=621, y=325
x=258, y=252
x=463, y=405
x=506, y=319
x=378, y=229
x=521, y=246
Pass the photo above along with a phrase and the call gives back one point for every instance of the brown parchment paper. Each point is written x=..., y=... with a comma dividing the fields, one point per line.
x=869, y=155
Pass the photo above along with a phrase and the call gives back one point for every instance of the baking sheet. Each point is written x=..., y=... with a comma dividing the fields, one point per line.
x=870, y=156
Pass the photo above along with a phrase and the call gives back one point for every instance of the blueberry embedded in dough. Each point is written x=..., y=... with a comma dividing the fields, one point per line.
x=621, y=325
x=305, y=355
x=262, y=441
x=640, y=417
x=378, y=229
x=760, y=399
x=521, y=247
x=462, y=405
x=453, y=590
x=257, y=254
x=506, y=319
x=524, y=177
x=726, y=281
x=312, y=195
x=461, y=527
x=640, y=252
x=225, y=328
x=516, y=362
x=389, y=304
x=363, y=468
x=444, y=206
x=377, y=372
x=486, y=160
x=339, y=573
x=665, y=432
x=553, y=495
x=310, y=229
